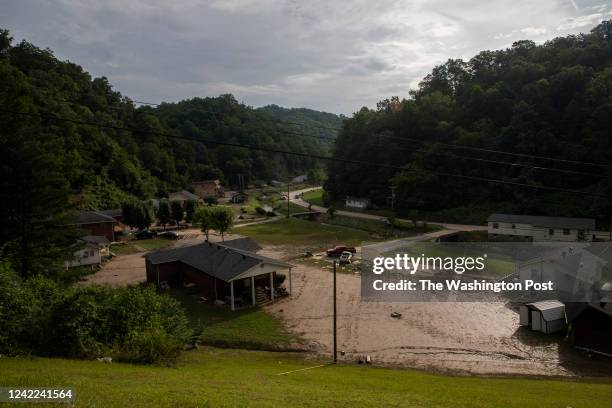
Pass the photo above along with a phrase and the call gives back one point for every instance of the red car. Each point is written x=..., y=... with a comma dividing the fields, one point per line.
x=337, y=251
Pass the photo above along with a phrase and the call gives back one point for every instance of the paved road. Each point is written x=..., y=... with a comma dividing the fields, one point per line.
x=454, y=227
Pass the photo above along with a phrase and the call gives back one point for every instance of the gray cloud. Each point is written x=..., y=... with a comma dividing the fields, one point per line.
x=330, y=55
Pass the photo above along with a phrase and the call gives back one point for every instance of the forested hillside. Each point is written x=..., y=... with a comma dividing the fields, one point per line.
x=133, y=155
x=322, y=125
x=536, y=101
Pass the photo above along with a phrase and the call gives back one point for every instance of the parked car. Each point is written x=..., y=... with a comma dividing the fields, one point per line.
x=345, y=257
x=145, y=234
x=338, y=250
x=169, y=235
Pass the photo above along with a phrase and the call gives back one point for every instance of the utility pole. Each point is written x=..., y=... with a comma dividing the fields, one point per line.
x=335, y=335
x=288, y=199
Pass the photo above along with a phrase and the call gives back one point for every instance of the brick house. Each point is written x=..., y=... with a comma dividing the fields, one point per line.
x=96, y=223
x=208, y=188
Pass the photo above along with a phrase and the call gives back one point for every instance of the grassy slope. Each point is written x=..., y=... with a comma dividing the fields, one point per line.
x=314, y=197
x=250, y=328
x=231, y=378
x=135, y=246
x=302, y=232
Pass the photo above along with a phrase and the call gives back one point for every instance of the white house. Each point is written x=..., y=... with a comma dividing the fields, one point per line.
x=541, y=228
x=96, y=247
x=358, y=203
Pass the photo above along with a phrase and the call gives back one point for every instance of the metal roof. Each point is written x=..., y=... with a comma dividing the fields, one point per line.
x=550, y=309
x=96, y=239
x=92, y=217
x=545, y=221
x=216, y=260
x=244, y=244
x=115, y=212
x=187, y=194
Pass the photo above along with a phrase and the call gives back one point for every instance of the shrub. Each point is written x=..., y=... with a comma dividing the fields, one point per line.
x=211, y=200
x=135, y=324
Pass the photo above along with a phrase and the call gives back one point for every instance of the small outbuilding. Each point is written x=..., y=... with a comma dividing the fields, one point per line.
x=547, y=316
x=591, y=328
x=357, y=202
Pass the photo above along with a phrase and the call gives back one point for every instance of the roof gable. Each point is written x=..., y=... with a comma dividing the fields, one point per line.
x=216, y=260
x=545, y=221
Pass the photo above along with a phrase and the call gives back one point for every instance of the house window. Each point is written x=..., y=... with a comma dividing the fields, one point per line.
x=551, y=231
x=495, y=225
x=566, y=231
x=513, y=226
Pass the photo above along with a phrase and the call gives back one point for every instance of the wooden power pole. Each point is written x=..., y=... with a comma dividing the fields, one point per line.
x=335, y=316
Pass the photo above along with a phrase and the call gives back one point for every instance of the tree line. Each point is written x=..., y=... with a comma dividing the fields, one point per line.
x=552, y=100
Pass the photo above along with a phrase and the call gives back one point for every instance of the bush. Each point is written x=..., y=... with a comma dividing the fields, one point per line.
x=211, y=200
x=135, y=324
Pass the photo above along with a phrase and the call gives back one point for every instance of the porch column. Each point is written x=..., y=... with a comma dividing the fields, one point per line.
x=272, y=286
x=232, y=294
x=253, y=290
x=290, y=288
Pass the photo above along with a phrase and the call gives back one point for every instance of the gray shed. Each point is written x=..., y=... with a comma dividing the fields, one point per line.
x=547, y=316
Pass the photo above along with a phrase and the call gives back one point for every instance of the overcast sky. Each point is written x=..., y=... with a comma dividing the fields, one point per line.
x=323, y=54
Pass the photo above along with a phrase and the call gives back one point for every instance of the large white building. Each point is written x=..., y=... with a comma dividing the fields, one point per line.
x=541, y=228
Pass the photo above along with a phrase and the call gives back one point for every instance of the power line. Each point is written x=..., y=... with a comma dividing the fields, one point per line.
x=445, y=144
x=332, y=139
x=309, y=155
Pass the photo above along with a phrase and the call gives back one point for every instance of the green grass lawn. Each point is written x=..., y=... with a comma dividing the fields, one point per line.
x=250, y=328
x=314, y=197
x=497, y=265
x=301, y=232
x=401, y=228
x=211, y=377
x=135, y=246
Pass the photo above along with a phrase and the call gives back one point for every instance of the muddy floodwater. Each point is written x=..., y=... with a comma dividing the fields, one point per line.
x=479, y=338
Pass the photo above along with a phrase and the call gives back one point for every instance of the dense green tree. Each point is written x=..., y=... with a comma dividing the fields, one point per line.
x=204, y=219
x=190, y=208
x=163, y=213
x=223, y=219
x=550, y=100
x=177, y=212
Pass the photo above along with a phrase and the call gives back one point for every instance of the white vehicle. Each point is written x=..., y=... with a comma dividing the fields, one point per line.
x=345, y=257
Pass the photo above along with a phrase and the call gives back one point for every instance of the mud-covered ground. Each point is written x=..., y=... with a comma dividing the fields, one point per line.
x=478, y=338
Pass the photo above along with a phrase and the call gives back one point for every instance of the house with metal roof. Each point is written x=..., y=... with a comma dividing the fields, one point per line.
x=89, y=250
x=540, y=228
x=229, y=271
x=95, y=223
x=183, y=196
x=547, y=316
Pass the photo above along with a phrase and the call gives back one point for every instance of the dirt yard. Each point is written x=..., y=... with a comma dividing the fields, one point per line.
x=479, y=338
x=129, y=269
x=473, y=338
